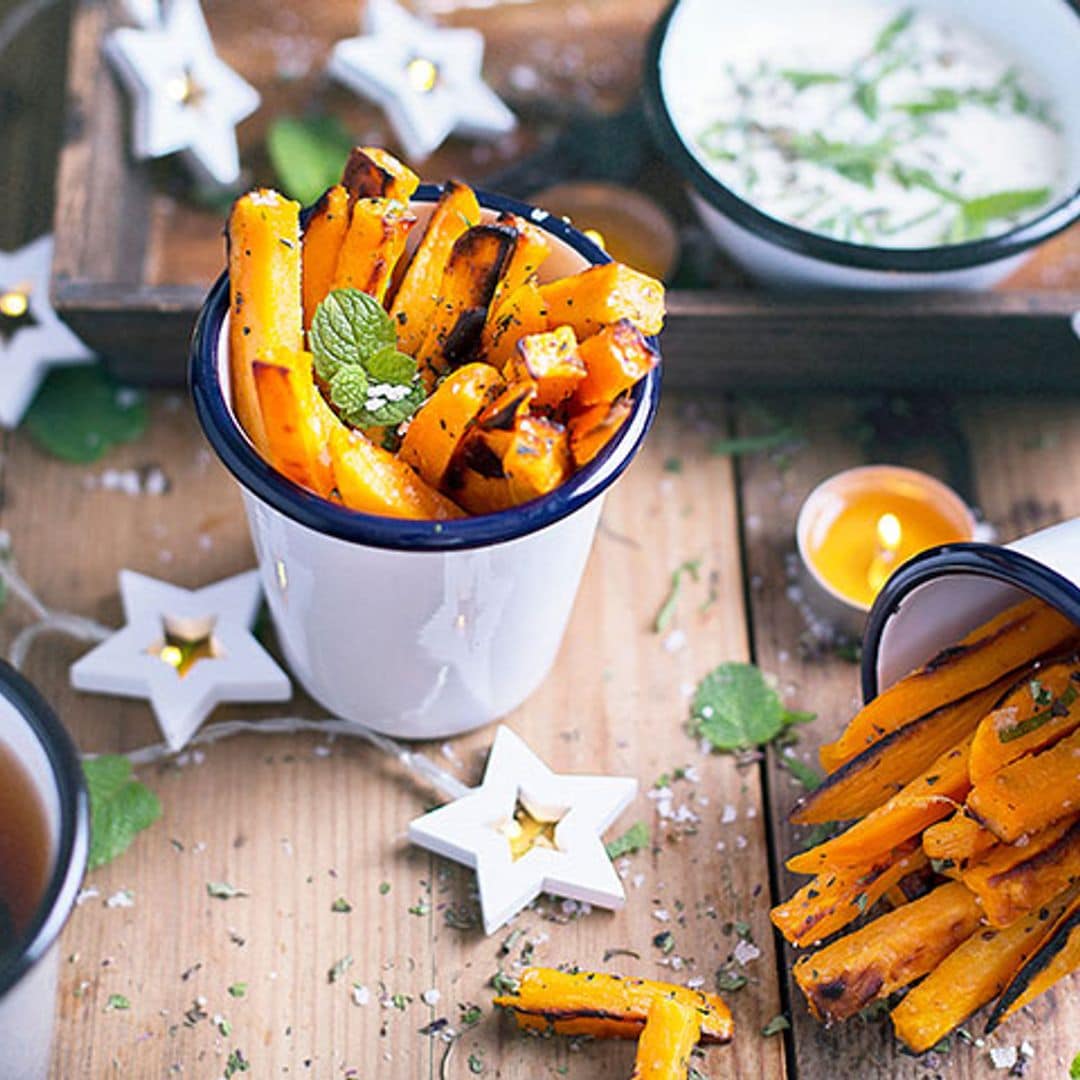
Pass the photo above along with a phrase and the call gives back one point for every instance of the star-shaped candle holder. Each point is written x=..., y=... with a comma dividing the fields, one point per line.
x=187, y=651
x=32, y=337
x=428, y=79
x=527, y=830
x=185, y=97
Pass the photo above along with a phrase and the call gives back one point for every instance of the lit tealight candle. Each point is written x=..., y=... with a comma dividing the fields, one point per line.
x=422, y=74
x=857, y=527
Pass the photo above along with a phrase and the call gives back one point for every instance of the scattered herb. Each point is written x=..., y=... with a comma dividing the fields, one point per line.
x=861, y=901
x=339, y=968
x=307, y=154
x=1074, y=1068
x=807, y=775
x=476, y=1066
x=222, y=890
x=401, y=1001
x=728, y=981
x=942, y=1046
x=753, y=444
x=470, y=1015
x=634, y=839
x=117, y=1002
x=238, y=989
x=341, y=906
x=665, y=942
x=667, y=609
x=1040, y=694
x=420, y=908
x=742, y=929
x=503, y=983
x=734, y=708
x=384, y=887
x=236, y=1063
x=224, y=1027
x=941, y=866
x=1058, y=707
x=120, y=807
x=777, y=1024
x=673, y=465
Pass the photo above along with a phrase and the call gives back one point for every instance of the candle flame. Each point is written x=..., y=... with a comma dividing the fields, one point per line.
x=524, y=832
x=422, y=74
x=889, y=532
x=14, y=304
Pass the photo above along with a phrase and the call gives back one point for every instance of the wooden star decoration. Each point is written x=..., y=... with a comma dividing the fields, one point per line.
x=32, y=337
x=187, y=651
x=527, y=830
x=427, y=79
x=185, y=97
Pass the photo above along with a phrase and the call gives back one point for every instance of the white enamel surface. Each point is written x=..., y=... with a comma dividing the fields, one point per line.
x=467, y=831
x=940, y=612
x=1043, y=36
x=26, y=1021
x=425, y=644
x=32, y=350
x=127, y=665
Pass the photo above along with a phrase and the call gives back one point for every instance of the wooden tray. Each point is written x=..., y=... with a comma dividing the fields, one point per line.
x=134, y=256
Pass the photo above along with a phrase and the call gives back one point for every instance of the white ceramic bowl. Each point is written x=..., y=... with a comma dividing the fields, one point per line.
x=697, y=35
x=31, y=732
x=417, y=629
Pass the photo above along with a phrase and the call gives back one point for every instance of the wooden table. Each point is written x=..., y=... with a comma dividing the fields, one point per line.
x=298, y=822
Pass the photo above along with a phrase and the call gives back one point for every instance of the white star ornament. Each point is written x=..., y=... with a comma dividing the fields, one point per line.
x=185, y=97
x=32, y=337
x=476, y=830
x=428, y=79
x=187, y=651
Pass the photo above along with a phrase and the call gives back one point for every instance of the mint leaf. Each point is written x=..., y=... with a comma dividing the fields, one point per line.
x=80, y=413
x=120, y=807
x=307, y=154
x=390, y=366
x=349, y=327
x=777, y=1024
x=634, y=839
x=734, y=708
x=808, y=776
x=382, y=411
x=348, y=388
x=1074, y=1068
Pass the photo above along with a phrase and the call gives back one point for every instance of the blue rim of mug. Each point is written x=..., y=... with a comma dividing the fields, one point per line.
x=73, y=847
x=1002, y=565
x=271, y=487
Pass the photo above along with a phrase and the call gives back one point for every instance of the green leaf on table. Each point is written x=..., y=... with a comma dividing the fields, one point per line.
x=120, y=807
x=307, y=154
x=1074, y=1068
x=79, y=413
x=753, y=444
x=734, y=708
x=807, y=775
x=634, y=839
x=667, y=609
x=777, y=1024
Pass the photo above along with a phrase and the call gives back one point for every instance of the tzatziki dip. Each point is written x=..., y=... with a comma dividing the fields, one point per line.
x=884, y=126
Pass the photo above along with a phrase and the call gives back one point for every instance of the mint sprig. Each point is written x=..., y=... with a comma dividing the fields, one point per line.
x=354, y=345
x=120, y=807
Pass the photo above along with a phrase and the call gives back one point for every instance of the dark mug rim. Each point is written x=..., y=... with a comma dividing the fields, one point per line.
x=262, y=480
x=73, y=847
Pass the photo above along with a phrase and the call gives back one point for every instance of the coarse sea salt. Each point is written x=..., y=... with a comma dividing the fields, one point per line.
x=1003, y=1057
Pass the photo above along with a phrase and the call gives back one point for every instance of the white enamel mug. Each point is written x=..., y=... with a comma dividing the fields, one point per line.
x=31, y=733
x=418, y=629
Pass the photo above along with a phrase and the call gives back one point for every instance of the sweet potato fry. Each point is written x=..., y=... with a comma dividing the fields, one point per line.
x=373, y=173
x=1010, y=880
x=928, y=798
x=615, y=358
x=1032, y=793
x=436, y=431
x=883, y=768
x=838, y=896
x=323, y=236
x=894, y=950
x=1056, y=956
x=372, y=246
x=974, y=972
x=672, y=1030
x=416, y=296
x=551, y=361
x=1008, y=642
x=957, y=841
x=602, y=295
x=266, y=313
x=1040, y=709
x=530, y=250
x=373, y=480
x=591, y=430
x=523, y=312
x=593, y=1002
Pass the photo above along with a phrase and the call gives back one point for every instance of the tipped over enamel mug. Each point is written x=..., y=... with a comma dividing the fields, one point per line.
x=418, y=629
x=32, y=736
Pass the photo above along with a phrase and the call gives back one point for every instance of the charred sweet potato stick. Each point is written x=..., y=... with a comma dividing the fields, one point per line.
x=523, y=312
x=1042, y=708
x=264, y=296
x=976, y=971
x=957, y=841
x=615, y=358
x=323, y=236
x=1057, y=956
x=468, y=282
x=839, y=896
x=928, y=798
x=1010, y=881
x=590, y=431
x=1008, y=642
x=551, y=361
x=672, y=1030
x=602, y=295
x=530, y=250
x=1030, y=794
x=373, y=173
x=435, y=432
x=883, y=769
x=416, y=296
x=373, y=480
x=608, y=1006
x=888, y=954
x=372, y=246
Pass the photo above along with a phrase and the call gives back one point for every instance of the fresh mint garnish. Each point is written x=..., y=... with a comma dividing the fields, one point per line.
x=354, y=344
x=120, y=807
x=734, y=708
x=634, y=839
x=307, y=154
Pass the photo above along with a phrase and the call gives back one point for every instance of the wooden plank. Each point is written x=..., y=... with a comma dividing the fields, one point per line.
x=1009, y=443
x=297, y=830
